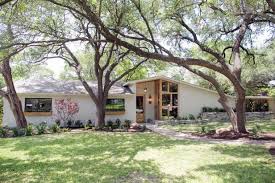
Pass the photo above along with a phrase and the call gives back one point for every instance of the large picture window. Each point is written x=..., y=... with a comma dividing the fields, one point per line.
x=117, y=104
x=169, y=103
x=38, y=104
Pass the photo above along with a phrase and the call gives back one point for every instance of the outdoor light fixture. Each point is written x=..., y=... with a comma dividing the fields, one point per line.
x=150, y=99
x=145, y=90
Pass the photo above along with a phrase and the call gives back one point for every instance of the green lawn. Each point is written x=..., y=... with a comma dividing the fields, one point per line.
x=124, y=157
x=266, y=126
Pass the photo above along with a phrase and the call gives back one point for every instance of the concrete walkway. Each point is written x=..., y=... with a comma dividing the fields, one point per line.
x=184, y=136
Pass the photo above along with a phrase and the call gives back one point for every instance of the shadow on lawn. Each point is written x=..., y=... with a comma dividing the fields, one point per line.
x=261, y=169
x=89, y=157
x=241, y=172
x=242, y=151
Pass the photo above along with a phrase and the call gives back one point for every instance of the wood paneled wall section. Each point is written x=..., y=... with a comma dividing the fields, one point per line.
x=157, y=99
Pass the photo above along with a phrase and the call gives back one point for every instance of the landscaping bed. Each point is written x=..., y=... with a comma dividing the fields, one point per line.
x=258, y=130
x=43, y=128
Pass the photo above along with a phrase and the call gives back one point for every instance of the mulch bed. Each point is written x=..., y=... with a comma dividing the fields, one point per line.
x=266, y=136
x=233, y=136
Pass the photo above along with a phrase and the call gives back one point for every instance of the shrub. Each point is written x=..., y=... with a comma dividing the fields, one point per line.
x=78, y=124
x=65, y=129
x=29, y=130
x=258, y=127
x=41, y=128
x=211, y=109
x=191, y=117
x=203, y=129
x=3, y=132
x=90, y=123
x=256, y=130
x=117, y=123
x=86, y=127
x=184, y=118
x=110, y=124
x=58, y=122
x=127, y=123
x=55, y=128
x=17, y=132
x=70, y=123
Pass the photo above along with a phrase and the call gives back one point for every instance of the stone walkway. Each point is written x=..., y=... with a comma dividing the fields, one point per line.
x=183, y=136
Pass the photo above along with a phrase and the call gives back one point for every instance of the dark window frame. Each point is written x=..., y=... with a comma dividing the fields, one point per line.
x=37, y=109
x=117, y=108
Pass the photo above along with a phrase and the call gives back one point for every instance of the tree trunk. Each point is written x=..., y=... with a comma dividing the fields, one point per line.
x=100, y=116
x=12, y=97
x=240, y=112
x=230, y=112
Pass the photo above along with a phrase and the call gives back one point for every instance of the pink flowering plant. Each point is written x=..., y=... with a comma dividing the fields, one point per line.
x=66, y=109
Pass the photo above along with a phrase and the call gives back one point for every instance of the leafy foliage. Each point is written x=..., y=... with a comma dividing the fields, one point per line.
x=41, y=128
x=29, y=130
x=66, y=109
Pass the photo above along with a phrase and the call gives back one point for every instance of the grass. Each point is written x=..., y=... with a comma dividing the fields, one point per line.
x=125, y=157
x=265, y=125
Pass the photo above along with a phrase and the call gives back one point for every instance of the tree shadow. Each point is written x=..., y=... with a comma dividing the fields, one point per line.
x=242, y=151
x=87, y=157
x=244, y=171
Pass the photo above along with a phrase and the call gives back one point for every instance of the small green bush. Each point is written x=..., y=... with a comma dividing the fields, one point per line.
x=55, y=128
x=256, y=130
x=117, y=123
x=191, y=117
x=18, y=132
x=127, y=123
x=86, y=127
x=29, y=130
x=66, y=129
x=3, y=132
x=184, y=118
x=90, y=123
x=58, y=122
x=203, y=129
x=70, y=123
x=110, y=124
x=78, y=124
x=15, y=132
x=41, y=128
x=212, y=109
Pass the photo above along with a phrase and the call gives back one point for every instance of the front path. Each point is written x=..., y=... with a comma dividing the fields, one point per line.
x=183, y=136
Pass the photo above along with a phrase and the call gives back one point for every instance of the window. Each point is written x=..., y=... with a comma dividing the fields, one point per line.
x=257, y=105
x=139, y=102
x=169, y=99
x=38, y=105
x=174, y=112
x=174, y=99
x=164, y=112
x=164, y=86
x=173, y=87
x=117, y=104
x=166, y=99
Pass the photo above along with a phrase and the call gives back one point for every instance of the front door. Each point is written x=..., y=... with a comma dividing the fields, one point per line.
x=140, y=109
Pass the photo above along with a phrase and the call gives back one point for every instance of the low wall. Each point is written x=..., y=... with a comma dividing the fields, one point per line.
x=222, y=116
